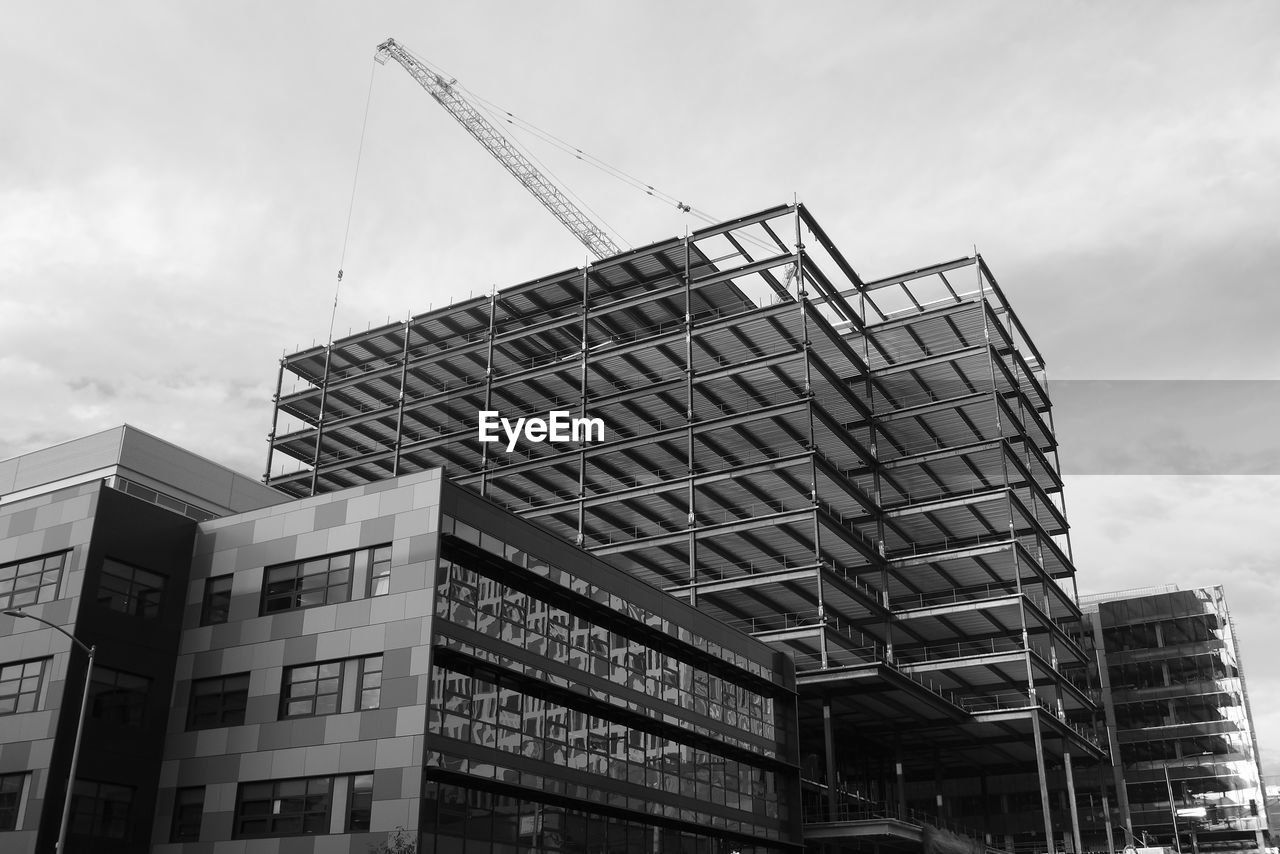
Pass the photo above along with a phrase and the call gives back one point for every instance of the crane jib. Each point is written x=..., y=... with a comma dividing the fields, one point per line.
x=496, y=143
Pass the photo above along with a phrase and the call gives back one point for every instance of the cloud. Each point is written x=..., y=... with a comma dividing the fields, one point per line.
x=1168, y=426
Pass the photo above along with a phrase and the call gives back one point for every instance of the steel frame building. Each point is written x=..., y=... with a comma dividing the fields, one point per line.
x=1186, y=764
x=862, y=473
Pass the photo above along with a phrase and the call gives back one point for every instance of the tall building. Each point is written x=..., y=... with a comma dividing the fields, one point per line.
x=1187, y=766
x=862, y=474
x=280, y=675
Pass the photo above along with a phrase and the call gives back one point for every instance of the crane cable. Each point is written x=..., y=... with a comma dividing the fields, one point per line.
x=507, y=117
x=560, y=184
x=346, y=235
x=614, y=172
x=500, y=115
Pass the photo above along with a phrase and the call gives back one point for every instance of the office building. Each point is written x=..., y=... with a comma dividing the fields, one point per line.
x=95, y=537
x=862, y=474
x=279, y=675
x=1187, y=766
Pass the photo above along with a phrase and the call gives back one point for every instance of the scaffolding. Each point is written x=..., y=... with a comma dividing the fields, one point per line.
x=863, y=473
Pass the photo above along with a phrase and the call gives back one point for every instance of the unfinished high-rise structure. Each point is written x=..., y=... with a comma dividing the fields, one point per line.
x=861, y=473
x=1186, y=764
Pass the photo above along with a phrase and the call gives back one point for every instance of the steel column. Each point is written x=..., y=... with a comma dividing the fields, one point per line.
x=488, y=392
x=828, y=734
x=275, y=420
x=404, y=378
x=1044, y=781
x=802, y=301
x=900, y=776
x=691, y=490
x=324, y=399
x=582, y=402
x=1071, y=799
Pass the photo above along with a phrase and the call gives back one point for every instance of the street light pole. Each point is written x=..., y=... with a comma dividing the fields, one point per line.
x=84, y=705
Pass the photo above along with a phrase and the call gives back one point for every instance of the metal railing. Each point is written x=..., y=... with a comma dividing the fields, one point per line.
x=857, y=809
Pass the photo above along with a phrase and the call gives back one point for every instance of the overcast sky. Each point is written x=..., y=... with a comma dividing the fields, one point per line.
x=175, y=182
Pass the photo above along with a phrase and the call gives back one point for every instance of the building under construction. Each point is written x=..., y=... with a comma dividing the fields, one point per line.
x=861, y=473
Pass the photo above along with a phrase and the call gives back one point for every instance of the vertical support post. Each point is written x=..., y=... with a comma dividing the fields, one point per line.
x=404, y=379
x=582, y=402
x=1109, y=726
x=828, y=733
x=802, y=302
x=1071, y=800
x=1106, y=806
x=877, y=489
x=1044, y=781
x=275, y=420
x=900, y=776
x=324, y=401
x=939, y=804
x=1025, y=637
x=1106, y=814
x=690, y=472
x=986, y=807
x=1173, y=811
x=1057, y=464
x=488, y=391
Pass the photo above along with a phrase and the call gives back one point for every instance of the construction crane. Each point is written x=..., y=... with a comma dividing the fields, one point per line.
x=542, y=188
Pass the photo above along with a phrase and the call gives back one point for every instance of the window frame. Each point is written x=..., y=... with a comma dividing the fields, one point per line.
x=367, y=679
x=9, y=598
x=139, y=706
x=359, y=801
x=363, y=682
x=9, y=815
x=20, y=678
x=379, y=571
x=287, y=697
x=301, y=584
x=293, y=595
x=275, y=810
x=211, y=607
x=181, y=830
x=223, y=707
x=100, y=820
x=137, y=600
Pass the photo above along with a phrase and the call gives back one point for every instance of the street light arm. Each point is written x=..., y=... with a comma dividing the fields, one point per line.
x=15, y=612
x=67, y=795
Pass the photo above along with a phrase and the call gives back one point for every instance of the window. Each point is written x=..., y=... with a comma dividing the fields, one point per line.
x=322, y=581
x=283, y=807
x=380, y=571
x=313, y=689
x=219, y=701
x=321, y=689
x=130, y=590
x=361, y=804
x=20, y=686
x=100, y=809
x=216, y=607
x=11, y=799
x=327, y=580
x=118, y=697
x=370, y=683
x=31, y=581
x=188, y=810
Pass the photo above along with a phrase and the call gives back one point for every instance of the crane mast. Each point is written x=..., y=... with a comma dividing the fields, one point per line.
x=547, y=193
